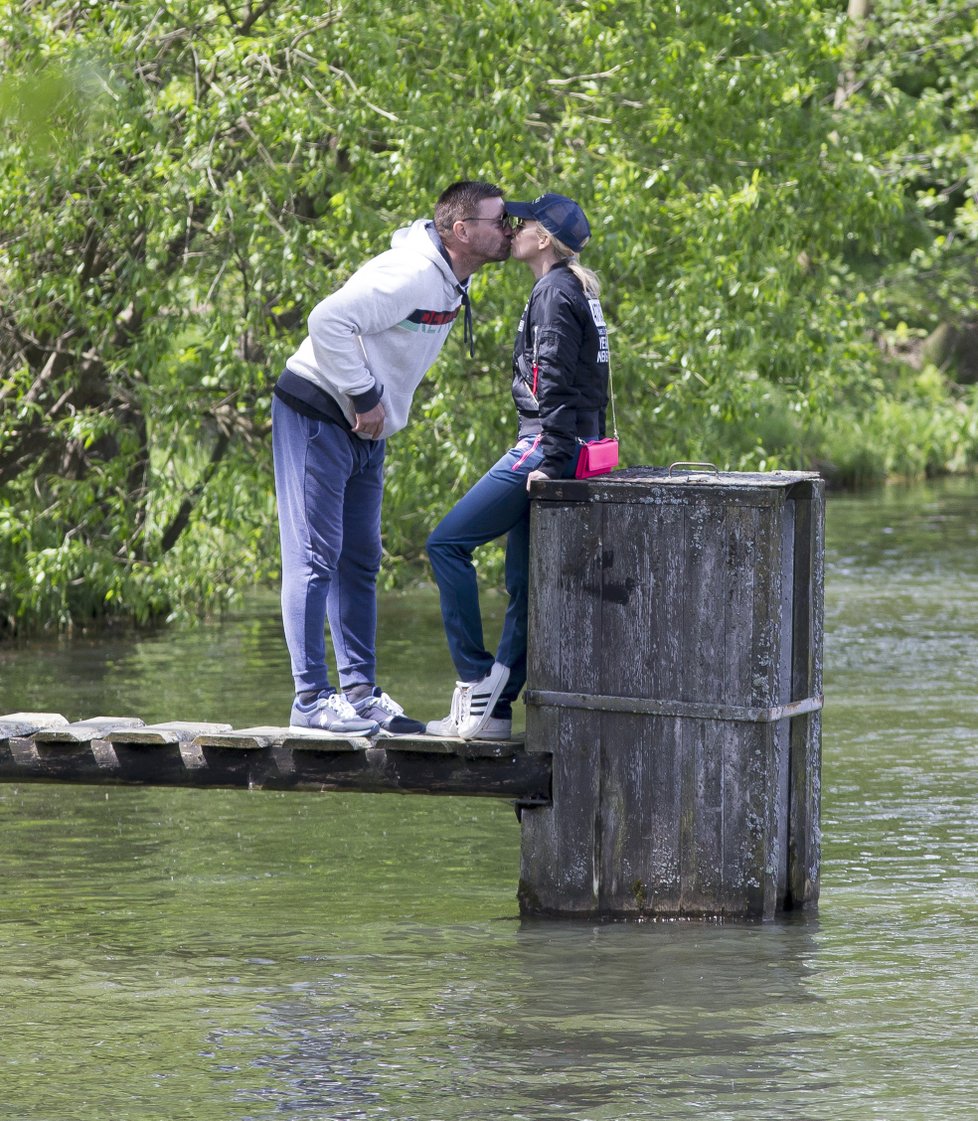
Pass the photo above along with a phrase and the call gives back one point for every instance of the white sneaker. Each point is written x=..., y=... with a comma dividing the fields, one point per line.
x=480, y=701
x=492, y=728
x=450, y=725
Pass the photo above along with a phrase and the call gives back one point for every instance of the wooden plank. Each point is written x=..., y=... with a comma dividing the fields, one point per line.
x=780, y=822
x=711, y=550
x=84, y=731
x=634, y=572
x=315, y=739
x=644, y=485
x=710, y=635
x=565, y=573
x=804, y=766
x=655, y=706
x=265, y=736
x=568, y=557
x=639, y=866
x=425, y=745
x=169, y=732
x=664, y=538
x=26, y=723
x=450, y=745
x=490, y=749
x=558, y=867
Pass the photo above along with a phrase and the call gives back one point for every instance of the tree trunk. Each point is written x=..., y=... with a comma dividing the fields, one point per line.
x=857, y=13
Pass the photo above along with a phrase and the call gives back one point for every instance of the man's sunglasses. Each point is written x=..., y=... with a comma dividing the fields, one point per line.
x=505, y=222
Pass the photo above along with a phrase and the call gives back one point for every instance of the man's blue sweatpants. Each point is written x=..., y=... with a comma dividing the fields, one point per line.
x=329, y=485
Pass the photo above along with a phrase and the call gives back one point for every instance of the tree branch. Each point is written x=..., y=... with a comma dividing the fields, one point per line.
x=253, y=16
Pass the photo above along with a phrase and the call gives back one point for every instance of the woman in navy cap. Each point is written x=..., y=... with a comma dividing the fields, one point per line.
x=560, y=387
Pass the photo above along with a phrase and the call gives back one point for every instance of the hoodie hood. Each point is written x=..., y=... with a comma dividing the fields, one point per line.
x=422, y=237
x=378, y=335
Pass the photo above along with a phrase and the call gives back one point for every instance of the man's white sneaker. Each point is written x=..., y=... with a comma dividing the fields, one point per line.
x=480, y=700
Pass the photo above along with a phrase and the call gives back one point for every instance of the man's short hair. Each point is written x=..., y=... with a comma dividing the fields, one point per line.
x=460, y=200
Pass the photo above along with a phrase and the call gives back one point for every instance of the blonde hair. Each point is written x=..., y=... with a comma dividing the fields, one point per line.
x=588, y=278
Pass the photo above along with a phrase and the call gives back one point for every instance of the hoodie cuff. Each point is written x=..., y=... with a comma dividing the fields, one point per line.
x=364, y=402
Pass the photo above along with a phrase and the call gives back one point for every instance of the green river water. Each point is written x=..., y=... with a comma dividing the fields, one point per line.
x=232, y=955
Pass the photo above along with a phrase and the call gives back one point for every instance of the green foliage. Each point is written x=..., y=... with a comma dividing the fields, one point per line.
x=783, y=206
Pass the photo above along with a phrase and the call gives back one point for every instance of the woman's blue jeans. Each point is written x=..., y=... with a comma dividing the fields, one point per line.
x=329, y=485
x=498, y=504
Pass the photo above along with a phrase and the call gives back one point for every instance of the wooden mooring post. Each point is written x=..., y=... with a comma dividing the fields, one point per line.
x=675, y=676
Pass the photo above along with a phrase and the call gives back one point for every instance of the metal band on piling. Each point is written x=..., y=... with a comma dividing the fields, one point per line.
x=642, y=706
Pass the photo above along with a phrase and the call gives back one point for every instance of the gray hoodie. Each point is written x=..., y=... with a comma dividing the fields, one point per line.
x=377, y=336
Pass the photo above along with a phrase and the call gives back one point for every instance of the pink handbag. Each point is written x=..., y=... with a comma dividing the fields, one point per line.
x=597, y=457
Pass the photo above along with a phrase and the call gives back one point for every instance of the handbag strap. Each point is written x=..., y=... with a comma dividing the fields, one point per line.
x=611, y=398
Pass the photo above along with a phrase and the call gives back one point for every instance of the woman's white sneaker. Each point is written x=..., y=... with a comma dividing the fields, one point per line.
x=449, y=726
x=480, y=701
x=472, y=703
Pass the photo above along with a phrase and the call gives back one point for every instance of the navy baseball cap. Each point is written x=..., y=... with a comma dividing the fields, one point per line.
x=558, y=215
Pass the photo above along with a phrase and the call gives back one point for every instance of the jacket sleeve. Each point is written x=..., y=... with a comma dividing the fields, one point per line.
x=558, y=337
x=378, y=296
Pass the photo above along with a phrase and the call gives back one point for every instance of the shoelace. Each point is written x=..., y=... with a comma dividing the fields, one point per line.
x=390, y=706
x=340, y=705
x=461, y=699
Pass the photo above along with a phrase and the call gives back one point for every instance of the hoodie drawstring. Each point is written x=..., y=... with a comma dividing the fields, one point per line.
x=468, y=335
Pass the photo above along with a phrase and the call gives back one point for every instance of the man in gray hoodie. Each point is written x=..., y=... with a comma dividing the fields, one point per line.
x=345, y=390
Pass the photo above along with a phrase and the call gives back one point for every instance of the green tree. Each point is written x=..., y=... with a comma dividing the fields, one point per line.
x=181, y=182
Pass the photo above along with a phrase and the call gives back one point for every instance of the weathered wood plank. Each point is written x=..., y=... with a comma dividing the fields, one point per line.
x=84, y=731
x=259, y=738
x=566, y=567
x=26, y=723
x=804, y=813
x=452, y=745
x=169, y=732
x=559, y=864
x=651, y=486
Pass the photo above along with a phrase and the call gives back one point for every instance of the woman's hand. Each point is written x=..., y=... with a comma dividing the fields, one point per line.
x=534, y=475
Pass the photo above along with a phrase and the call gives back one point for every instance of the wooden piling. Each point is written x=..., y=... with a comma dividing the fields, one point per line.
x=675, y=675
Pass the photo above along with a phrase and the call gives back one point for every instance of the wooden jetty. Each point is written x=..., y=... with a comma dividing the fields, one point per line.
x=671, y=767
x=45, y=747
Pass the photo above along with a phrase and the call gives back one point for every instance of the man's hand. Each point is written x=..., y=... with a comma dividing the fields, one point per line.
x=533, y=476
x=371, y=424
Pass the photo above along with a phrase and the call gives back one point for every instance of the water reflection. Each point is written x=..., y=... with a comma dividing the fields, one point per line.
x=609, y=1022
